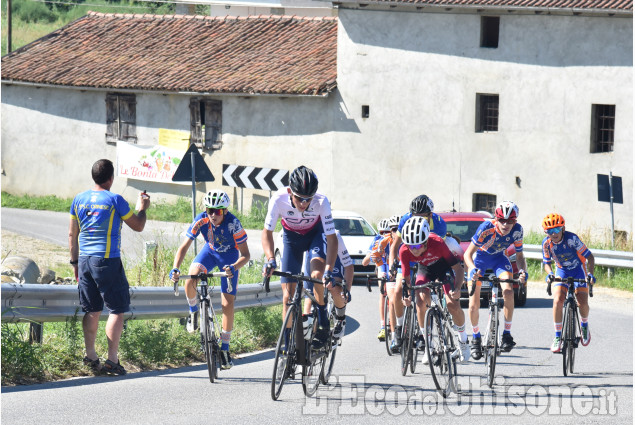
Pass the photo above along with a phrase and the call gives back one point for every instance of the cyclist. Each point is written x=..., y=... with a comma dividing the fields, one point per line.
x=434, y=261
x=489, y=244
x=343, y=269
x=225, y=248
x=379, y=253
x=421, y=206
x=573, y=259
x=306, y=217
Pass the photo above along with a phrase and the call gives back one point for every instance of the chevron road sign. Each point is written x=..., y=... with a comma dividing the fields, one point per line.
x=254, y=177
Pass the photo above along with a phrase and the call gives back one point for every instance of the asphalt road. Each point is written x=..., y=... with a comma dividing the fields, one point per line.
x=367, y=385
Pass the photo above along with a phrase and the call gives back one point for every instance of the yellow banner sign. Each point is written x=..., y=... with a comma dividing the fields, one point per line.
x=174, y=139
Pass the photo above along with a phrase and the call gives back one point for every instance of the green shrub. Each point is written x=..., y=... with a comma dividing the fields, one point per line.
x=34, y=12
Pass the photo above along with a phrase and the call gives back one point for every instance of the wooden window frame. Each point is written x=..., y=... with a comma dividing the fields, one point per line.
x=206, y=114
x=489, y=202
x=121, y=118
x=602, y=128
x=487, y=113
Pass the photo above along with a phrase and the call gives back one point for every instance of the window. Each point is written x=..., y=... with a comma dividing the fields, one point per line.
x=121, y=118
x=365, y=111
x=602, y=128
x=483, y=202
x=486, y=112
x=489, y=31
x=206, y=123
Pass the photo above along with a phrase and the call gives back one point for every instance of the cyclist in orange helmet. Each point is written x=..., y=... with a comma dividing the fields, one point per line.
x=573, y=259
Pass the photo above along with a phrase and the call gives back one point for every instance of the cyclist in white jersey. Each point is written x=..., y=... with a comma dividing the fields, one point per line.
x=305, y=216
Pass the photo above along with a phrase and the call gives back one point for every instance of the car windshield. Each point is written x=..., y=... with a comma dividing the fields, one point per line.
x=353, y=227
x=464, y=230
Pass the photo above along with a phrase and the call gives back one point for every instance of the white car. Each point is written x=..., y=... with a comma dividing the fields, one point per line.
x=357, y=234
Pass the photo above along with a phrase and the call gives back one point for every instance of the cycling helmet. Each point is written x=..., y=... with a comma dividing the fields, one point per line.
x=303, y=181
x=552, y=220
x=415, y=231
x=393, y=221
x=216, y=199
x=383, y=226
x=506, y=210
x=421, y=205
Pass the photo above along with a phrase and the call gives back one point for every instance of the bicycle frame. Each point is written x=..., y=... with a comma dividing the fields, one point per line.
x=382, y=289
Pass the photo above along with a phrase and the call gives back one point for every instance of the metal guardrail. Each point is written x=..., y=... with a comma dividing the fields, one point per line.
x=603, y=257
x=31, y=302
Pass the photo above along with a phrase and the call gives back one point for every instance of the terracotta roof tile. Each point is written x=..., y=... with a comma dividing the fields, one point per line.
x=604, y=5
x=202, y=54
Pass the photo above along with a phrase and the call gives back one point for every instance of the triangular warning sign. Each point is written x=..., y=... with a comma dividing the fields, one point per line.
x=184, y=171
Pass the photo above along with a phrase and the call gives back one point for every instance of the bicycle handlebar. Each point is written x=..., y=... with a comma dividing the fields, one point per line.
x=490, y=278
x=569, y=280
x=382, y=281
x=202, y=276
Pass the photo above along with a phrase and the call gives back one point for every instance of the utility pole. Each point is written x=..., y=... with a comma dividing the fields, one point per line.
x=8, y=26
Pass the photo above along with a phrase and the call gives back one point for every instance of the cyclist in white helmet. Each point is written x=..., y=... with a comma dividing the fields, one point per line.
x=225, y=248
x=488, y=246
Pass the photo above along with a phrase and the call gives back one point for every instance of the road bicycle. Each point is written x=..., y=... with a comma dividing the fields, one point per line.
x=440, y=341
x=382, y=289
x=209, y=325
x=317, y=364
x=491, y=345
x=410, y=330
x=570, y=323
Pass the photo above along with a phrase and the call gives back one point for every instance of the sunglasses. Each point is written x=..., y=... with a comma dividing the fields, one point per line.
x=302, y=199
x=508, y=221
x=415, y=247
x=394, y=229
x=553, y=231
x=213, y=211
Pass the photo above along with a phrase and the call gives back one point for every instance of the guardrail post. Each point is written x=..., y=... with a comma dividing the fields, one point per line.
x=35, y=333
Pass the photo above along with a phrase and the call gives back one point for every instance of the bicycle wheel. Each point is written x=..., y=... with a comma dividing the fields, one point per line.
x=329, y=359
x=208, y=342
x=387, y=331
x=453, y=355
x=576, y=337
x=406, y=341
x=315, y=358
x=415, y=350
x=436, y=350
x=491, y=345
x=568, y=338
x=283, y=362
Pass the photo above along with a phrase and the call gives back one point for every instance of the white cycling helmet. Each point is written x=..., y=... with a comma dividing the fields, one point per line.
x=393, y=221
x=507, y=210
x=415, y=231
x=383, y=226
x=216, y=199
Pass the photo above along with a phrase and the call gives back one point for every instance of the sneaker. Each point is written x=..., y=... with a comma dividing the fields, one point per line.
x=476, y=348
x=192, y=322
x=586, y=335
x=225, y=360
x=556, y=347
x=465, y=352
x=319, y=340
x=395, y=345
x=425, y=360
x=382, y=335
x=421, y=344
x=338, y=331
x=508, y=343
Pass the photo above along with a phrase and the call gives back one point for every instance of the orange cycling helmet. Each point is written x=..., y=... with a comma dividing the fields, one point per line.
x=552, y=220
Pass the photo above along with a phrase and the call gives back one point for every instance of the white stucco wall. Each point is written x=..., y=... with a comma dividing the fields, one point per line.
x=420, y=72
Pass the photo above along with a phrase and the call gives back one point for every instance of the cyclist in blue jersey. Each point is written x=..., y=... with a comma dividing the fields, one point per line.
x=306, y=217
x=487, y=251
x=421, y=206
x=573, y=259
x=94, y=239
x=225, y=248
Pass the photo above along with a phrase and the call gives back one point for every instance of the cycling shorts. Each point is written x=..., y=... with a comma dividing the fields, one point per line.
x=102, y=281
x=577, y=273
x=498, y=263
x=436, y=271
x=208, y=259
x=295, y=245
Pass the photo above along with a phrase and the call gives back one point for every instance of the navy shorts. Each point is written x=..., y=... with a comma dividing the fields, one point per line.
x=499, y=263
x=295, y=245
x=208, y=259
x=103, y=281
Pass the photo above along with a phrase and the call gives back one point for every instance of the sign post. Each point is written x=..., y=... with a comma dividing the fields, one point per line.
x=610, y=190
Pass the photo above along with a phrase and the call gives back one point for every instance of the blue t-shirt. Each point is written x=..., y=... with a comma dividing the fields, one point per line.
x=569, y=254
x=490, y=241
x=437, y=224
x=223, y=238
x=100, y=214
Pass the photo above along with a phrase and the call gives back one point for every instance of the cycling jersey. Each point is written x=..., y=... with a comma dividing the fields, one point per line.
x=381, y=250
x=280, y=207
x=570, y=254
x=100, y=214
x=436, y=251
x=437, y=224
x=223, y=238
x=489, y=240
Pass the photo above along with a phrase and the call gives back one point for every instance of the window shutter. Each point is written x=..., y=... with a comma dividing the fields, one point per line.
x=213, y=124
x=128, y=116
x=196, y=135
x=112, y=112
